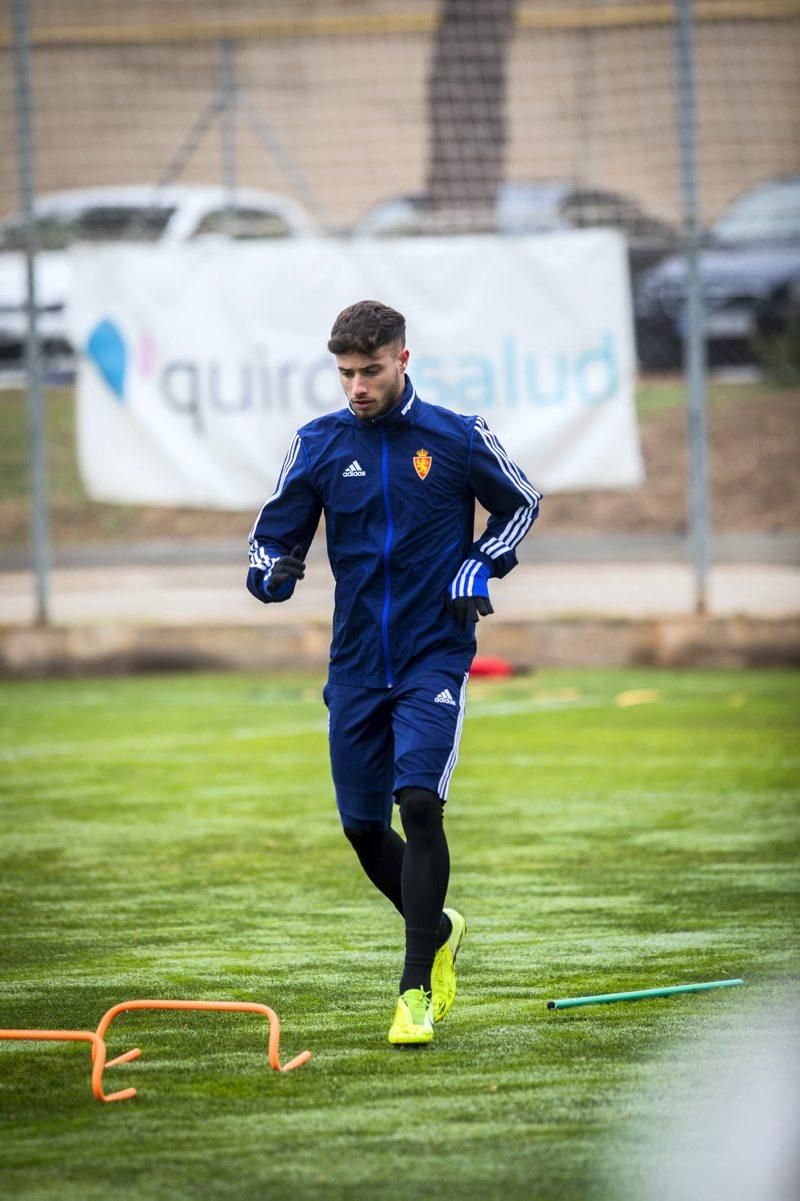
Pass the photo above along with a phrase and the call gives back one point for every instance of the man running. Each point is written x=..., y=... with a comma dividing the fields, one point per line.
x=397, y=480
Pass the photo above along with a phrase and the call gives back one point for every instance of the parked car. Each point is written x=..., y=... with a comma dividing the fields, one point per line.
x=531, y=207
x=749, y=267
x=166, y=215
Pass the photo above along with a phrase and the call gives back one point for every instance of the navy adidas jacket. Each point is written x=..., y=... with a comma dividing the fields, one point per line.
x=398, y=493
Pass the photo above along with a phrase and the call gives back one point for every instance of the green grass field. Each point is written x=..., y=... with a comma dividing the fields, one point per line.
x=177, y=837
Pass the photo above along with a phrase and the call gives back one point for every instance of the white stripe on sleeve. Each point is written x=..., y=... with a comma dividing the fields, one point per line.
x=520, y=522
x=511, y=535
x=507, y=465
x=258, y=555
x=465, y=578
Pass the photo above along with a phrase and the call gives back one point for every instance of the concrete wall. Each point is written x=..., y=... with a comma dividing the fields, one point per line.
x=115, y=649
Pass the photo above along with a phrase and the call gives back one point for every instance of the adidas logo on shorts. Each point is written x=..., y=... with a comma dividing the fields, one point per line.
x=355, y=468
x=445, y=697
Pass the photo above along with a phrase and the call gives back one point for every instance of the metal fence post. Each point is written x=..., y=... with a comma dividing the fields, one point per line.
x=37, y=444
x=694, y=335
x=228, y=113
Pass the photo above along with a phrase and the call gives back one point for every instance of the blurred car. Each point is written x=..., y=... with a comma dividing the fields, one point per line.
x=749, y=267
x=166, y=215
x=530, y=207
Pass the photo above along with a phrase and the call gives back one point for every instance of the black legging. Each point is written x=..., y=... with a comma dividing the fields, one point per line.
x=413, y=875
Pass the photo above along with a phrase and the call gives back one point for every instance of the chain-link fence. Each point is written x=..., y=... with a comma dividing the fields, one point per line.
x=405, y=117
x=196, y=121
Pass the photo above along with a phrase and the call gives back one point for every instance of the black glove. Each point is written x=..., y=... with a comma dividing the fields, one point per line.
x=285, y=572
x=467, y=597
x=469, y=608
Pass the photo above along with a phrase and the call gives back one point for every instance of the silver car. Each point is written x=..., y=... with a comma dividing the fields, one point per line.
x=527, y=206
x=167, y=215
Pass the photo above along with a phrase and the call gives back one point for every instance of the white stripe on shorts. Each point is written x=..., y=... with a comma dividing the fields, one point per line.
x=444, y=781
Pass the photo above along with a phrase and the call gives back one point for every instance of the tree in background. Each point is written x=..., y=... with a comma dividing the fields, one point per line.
x=466, y=100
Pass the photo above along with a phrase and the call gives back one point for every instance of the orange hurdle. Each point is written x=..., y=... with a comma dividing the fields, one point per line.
x=217, y=1006
x=98, y=1055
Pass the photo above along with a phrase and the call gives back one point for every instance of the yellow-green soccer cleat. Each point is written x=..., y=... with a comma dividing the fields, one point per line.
x=443, y=974
x=413, y=1019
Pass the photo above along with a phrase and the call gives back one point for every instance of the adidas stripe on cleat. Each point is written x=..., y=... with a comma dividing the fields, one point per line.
x=443, y=974
x=413, y=1019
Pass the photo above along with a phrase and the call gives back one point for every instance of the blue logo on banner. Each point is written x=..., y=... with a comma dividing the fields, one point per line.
x=107, y=350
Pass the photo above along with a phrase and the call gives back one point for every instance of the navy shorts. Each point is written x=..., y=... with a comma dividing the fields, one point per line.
x=385, y=740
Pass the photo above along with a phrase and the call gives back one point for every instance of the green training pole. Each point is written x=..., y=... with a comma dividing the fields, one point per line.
x=604, y=998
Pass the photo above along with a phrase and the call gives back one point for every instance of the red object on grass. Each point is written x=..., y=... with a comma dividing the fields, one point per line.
x=490, y=665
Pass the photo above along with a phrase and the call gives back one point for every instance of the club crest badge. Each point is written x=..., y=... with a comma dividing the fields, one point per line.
x=422, y=463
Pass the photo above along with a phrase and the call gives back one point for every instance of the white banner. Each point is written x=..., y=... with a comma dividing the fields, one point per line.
x=199, y=363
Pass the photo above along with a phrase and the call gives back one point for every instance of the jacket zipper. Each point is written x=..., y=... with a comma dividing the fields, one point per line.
x=387, y=546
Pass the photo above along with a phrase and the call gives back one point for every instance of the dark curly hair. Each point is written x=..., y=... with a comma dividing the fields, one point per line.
x=365, y=327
